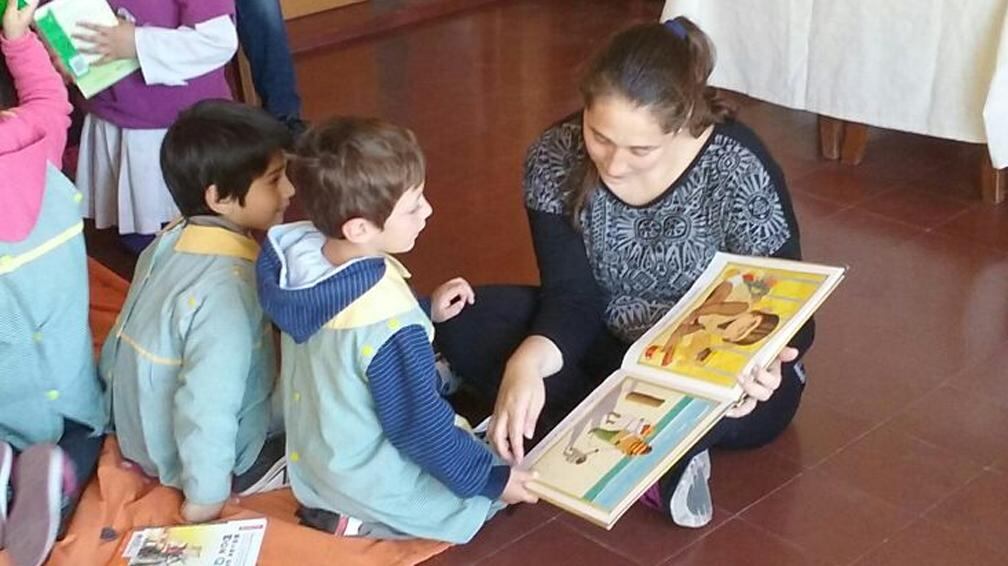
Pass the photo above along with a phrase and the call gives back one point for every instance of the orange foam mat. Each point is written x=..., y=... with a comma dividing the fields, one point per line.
x=120, y=498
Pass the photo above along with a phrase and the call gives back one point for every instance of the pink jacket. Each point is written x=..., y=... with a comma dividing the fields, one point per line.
x=31, y=134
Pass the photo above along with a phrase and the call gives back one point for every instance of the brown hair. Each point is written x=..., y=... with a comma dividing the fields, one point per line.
x=354, y=168
x=661, y=67
x=768, y=321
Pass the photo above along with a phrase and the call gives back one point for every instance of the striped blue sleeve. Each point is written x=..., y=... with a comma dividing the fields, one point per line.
x=421, y=424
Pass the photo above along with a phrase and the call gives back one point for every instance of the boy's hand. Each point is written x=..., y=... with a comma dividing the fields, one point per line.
x=15, y=22
x=450, y=298
x=515, y=491
x=110, y=42
x=194, y=513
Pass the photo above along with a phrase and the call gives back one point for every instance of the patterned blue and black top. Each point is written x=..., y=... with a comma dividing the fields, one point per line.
x=628, y=265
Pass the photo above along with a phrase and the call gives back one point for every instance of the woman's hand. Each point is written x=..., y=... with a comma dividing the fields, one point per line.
x=15, y=21
x=109, y=42
x=759, y=384
x=520, y=399
x=450, y=298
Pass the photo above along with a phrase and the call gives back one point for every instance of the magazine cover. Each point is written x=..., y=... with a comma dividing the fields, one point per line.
x=233, y=543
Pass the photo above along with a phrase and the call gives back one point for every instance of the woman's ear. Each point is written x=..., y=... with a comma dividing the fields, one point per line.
x=215, y=203
x=359, y=230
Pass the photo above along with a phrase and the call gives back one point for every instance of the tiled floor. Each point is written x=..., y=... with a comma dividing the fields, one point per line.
x=899, y=454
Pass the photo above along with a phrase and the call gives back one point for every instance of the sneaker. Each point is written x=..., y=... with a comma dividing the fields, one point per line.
x=690, y=504
x=327, y=521
x=268, y=472
x=448, y=381
x=6, y=460
x=35, y=515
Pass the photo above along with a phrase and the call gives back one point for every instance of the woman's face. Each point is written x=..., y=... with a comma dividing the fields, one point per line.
x=625, y=142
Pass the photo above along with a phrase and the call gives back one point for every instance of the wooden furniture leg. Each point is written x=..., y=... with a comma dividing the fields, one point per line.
x=993, y=182
x=246, y=89
x=830, y=136
x=855, y=139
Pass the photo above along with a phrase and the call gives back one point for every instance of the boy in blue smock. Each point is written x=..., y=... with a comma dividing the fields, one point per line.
x=190, y=363
x=372, y=447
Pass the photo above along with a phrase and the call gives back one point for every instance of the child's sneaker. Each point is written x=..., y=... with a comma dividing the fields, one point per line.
x=690, y=504
x=35, y=515
x=268, y=472
x=449, y=382
x=329, y=522
x=6, y=460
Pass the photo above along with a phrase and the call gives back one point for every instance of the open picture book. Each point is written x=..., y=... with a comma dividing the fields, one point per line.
x=58, y=22
x=230, y=543
x=675, y=383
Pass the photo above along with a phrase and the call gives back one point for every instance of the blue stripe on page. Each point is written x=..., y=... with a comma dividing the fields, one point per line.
x=677, y=424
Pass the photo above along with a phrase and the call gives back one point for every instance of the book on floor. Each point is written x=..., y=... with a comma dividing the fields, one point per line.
x=675, y=383
x=230, y=543
x=58, y=22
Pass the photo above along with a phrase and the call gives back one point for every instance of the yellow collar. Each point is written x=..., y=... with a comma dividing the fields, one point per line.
x=210, y=240
x=400, y=268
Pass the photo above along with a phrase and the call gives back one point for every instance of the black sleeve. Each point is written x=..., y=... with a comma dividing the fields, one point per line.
x=779, y=235
x=570, y=304
x=790, y=249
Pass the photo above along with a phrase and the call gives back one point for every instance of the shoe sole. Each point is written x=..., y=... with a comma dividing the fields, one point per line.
x=268, y=479
x=34, y=519
x=699, y=466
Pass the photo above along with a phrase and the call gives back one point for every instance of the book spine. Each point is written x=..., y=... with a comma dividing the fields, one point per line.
x=60, y=42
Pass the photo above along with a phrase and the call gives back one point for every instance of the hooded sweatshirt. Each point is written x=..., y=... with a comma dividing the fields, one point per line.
x=368, y=435
x=47, y=372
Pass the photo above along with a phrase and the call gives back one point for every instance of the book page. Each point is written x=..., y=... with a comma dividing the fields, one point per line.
x=718, y=334
x=234, y=543
x=610, y=446
x=59, y=21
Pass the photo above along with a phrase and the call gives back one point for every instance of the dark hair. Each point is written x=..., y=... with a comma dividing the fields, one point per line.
x=663, y=68
x=354, y=168
x=221, y=143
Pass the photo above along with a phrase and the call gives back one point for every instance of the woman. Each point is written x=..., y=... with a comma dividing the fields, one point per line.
x=628, y=201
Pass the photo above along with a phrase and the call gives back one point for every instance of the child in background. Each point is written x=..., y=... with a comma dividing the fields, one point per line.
x=51, y=414
x=189, y=366
x=182, y=46
x=373, y=449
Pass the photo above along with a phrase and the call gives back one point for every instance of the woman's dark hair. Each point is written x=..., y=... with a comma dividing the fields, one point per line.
x=222, y=143
x=660, y=67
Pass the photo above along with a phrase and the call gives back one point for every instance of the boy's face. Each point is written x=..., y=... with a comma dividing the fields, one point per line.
x=267, y=199
x=408, y=219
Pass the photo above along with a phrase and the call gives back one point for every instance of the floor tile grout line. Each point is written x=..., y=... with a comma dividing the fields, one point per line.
x=693, y=543
x=788, y=542
x=528, y=533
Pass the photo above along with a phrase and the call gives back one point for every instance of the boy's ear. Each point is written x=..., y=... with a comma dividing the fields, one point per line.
x=359, y=230
x=215, y=203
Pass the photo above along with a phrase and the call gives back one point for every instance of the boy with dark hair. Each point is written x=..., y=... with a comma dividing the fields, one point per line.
x=372, y=448
x=189, y=365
